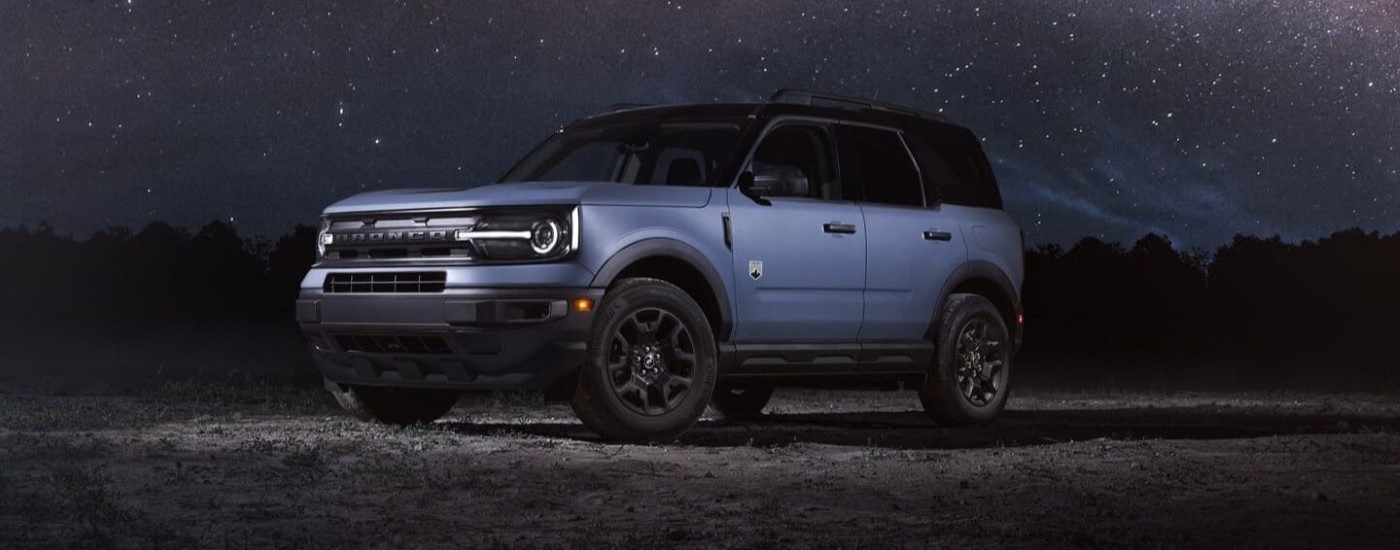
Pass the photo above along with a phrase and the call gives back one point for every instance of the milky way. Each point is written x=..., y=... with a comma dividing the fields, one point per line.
x=1197, y=120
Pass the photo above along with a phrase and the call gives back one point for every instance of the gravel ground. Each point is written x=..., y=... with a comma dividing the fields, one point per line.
x=244, y=466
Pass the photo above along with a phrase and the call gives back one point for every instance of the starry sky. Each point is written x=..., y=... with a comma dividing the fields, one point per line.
x=1197, y=119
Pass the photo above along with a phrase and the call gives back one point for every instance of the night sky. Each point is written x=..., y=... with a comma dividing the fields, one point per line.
x=1195, y=119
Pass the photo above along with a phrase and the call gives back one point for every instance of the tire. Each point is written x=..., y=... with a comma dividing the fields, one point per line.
x=394, y=406
x=969, y=382
x=644, y=378
x=740, y=403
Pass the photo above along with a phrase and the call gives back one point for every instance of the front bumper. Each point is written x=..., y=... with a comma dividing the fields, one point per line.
x=460, y=338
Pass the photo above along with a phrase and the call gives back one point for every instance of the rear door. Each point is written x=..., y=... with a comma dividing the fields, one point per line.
x=911, y=248
x=799, y=262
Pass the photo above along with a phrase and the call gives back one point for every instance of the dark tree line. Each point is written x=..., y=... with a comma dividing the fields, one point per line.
x=158, y=275
x=1333, y=298
x=1255, y=298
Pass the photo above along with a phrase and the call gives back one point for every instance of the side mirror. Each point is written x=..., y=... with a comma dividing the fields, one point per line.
x=773, y=180
x=749, y=189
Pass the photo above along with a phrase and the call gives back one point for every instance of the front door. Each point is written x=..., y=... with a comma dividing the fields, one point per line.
x=799, y=262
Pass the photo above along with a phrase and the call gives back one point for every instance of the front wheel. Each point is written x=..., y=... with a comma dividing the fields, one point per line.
x=395, y=406
x=969, y=380
x=651, y=363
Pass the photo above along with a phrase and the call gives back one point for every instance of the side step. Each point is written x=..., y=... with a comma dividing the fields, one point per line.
x=825, y=359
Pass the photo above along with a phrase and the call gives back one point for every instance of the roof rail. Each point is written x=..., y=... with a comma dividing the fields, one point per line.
x=806, y=97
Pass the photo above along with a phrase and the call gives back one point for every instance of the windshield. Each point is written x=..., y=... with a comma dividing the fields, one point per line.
x=646, y=153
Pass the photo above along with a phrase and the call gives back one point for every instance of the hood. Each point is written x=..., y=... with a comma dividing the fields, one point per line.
x=524, y=194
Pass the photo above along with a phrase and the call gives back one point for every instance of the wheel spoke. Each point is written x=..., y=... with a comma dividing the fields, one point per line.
x=991, y=369
x=677, y=382
x=644, y=396
x=651, y=328
x=673, y=336
x=656, y=397
x=640, y=330
x=620, y=353
x=966, y=339
x=684, y=357
x=626, y=389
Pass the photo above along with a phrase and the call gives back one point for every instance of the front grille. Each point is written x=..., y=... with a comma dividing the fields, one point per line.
x=370, y=343
x=388, y=283
x=400, y=237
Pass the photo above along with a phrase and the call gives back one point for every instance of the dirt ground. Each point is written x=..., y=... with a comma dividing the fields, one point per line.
x=188, y=464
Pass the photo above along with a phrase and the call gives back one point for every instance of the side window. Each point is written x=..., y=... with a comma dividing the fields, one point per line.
x=877, y=164
x=795, y=161
x=955, y=169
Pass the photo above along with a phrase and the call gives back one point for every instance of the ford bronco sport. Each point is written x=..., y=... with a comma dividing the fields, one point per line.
x=648, y=262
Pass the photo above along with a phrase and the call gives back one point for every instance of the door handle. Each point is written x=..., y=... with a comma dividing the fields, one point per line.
x=843, y=228
x=938, y=236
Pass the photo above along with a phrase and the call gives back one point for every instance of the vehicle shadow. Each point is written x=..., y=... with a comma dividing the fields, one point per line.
x=913, y=430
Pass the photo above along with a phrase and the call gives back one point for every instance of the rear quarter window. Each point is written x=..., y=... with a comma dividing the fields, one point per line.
x=954, y=167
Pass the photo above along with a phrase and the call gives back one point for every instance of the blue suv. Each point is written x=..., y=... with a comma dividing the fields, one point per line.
x=648, y=262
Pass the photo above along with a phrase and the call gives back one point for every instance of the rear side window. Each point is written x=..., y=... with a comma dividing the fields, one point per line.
x=954, y=168
x=877, y=164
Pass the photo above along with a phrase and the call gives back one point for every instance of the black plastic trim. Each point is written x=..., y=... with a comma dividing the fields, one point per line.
x=825, y=358
x=980, y=269
x=728, y=232
x=670, y=248
x=495, y=338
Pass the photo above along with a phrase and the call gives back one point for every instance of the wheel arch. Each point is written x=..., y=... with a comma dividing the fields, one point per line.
x=679, y=264
x=985, y=279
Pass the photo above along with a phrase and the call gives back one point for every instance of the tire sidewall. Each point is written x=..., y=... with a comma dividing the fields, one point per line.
x=639, y=294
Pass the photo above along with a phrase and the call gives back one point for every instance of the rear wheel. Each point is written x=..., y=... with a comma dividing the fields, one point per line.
x=970, y=379
x=396, y=406
x=740, y=403
x=651, y=363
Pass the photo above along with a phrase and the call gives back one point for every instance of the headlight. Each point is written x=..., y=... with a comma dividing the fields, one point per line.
x=323, y=238
x=545, y=237
x=527, y=236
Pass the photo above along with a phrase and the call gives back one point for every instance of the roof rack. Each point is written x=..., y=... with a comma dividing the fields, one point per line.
x=626, y=106
x=806, y=97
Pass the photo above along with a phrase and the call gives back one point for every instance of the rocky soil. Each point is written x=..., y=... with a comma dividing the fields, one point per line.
x=185, y=464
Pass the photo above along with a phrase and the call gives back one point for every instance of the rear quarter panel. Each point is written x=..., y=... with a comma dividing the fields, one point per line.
x=992, y=236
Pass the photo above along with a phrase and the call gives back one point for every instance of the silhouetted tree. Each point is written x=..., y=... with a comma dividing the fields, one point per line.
x=288, y=262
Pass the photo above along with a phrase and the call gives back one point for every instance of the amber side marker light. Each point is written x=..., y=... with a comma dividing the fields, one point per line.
x=583, y=304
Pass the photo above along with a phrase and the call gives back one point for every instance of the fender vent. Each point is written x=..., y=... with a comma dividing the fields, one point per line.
x=388, y=283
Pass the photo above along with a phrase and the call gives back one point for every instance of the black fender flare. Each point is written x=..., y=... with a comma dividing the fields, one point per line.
x=984, y=270
x=671, y=248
